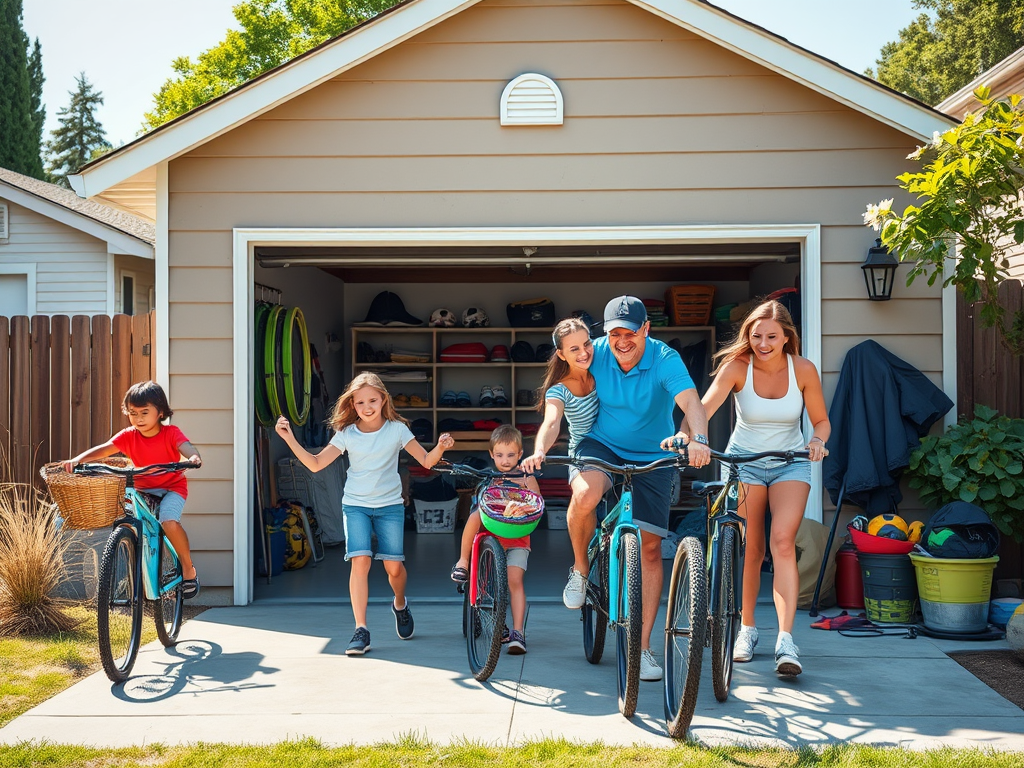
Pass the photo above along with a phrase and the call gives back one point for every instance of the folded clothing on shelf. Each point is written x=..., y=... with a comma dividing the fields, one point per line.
x=454, y=425
x=467, y=352
x=392, y=375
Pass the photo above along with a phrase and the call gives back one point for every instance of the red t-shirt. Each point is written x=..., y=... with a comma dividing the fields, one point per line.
x=161, y=448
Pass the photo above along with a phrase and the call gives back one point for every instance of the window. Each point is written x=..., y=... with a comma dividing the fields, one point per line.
x=127, y=293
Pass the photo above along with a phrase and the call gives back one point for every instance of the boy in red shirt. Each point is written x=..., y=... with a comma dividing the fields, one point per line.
x=148, y=441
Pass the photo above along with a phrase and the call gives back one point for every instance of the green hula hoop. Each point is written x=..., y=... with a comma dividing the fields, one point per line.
x=270, y=360
x=293, y=319
x=263, y=414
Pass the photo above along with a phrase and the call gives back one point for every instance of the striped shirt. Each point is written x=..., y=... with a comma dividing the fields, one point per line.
x=580, y=412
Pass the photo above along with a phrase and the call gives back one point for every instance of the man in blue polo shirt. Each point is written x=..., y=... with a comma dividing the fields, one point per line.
x=639, y=380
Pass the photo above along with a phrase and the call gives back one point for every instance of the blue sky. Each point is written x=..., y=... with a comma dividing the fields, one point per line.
x=125, y=47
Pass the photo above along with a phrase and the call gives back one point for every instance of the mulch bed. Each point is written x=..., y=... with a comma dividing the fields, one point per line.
x=1002, y=671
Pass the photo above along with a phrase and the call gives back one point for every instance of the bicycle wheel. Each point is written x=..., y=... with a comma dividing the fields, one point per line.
x=167, y=606
x=627, y=632
x=726, y=575
x=487, y=617
x=119, y=604
x=685, y=627
x=595, y=608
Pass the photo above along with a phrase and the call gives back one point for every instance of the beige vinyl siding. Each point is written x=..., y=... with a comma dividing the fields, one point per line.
x=143, y=271
x=71, y=266
x=661, y=127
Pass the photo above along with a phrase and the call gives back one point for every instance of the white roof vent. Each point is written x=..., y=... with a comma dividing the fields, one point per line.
x=3, y=222
x=531, y=99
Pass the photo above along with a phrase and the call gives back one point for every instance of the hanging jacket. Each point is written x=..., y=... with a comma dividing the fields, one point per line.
x=882, y=408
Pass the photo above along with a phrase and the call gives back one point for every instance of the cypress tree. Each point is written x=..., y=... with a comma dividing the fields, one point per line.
x=38, y=109
x=15, y=92
x=79, y=137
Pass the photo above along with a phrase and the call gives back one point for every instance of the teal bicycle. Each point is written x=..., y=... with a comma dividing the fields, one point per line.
x=139, y=564
x=614, y=596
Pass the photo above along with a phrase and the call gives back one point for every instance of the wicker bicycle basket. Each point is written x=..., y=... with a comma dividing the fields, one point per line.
x=86, y=502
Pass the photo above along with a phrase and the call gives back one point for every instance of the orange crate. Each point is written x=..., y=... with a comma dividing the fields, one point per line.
x=689, y=304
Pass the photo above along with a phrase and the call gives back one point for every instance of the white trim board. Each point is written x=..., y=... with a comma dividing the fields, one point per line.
x=390, y=29
x=245, y=241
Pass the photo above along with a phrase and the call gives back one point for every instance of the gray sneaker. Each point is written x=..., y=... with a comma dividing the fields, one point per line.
x=746, y=642
x=403, y=620
x=650, y=669
x=575, y=593
x=360, y=642
x=787, y=659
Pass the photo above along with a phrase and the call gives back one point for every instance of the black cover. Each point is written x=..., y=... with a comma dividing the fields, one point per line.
x=974, y=534
x=387, y=309
x=882, y=408
x=533, y=313
x=437, y=488
x=522, y=352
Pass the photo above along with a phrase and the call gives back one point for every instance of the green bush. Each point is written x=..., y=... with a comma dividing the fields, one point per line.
x=980, y=461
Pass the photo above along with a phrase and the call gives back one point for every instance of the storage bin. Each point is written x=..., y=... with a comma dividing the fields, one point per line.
x=954, y=592
x=689, y=304
x=890, y=590
x=435, y=516
x=556, y=517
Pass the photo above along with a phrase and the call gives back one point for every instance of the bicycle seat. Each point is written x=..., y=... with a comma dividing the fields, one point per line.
x=699, y=488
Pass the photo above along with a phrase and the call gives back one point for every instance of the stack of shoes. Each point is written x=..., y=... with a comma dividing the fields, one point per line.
x=500, y=354
x=486, y=397
x=462, y=400
x=448, y=399
x=401, y=401
x=415, y=401
x=656, y=312
x=500, y=399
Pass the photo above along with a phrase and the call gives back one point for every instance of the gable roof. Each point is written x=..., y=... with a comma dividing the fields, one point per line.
x=96, y=219
x=411, y=17
x=1003, y=79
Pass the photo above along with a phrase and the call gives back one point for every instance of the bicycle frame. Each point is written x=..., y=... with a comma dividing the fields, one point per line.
x=147, y=528
x=480, y=536
x=722, y=512
x=620, y=520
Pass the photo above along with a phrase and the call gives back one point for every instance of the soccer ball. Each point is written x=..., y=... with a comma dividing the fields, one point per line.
x=888, y=526
x=914, y=531
x=474, y=317
x=442, y=318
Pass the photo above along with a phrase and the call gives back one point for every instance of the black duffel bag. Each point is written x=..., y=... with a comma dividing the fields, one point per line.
x=960, y=531
x=533, y=313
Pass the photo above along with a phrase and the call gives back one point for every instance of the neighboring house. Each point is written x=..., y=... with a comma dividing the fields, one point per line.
x=1004, y=79
x=62, y=255
x=650, y=144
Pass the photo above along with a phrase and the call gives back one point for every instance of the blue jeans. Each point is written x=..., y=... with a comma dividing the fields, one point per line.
x=387, y=522
x=769, y=471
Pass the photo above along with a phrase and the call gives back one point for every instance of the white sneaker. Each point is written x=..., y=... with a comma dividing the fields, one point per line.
x=650, y=670
x=787, y=658
x=746, y=642
x=575, y=593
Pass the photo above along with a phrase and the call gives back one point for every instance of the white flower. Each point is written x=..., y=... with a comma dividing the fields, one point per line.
x=936, y=139
x=875, y=215
x=916, y=154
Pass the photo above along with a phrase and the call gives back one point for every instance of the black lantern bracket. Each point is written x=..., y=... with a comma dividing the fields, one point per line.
x=879, y=272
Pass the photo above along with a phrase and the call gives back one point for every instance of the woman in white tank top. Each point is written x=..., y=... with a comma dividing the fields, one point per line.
x=772, y=386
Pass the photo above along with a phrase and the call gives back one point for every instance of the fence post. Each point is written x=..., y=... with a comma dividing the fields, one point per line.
x=60, y=387
x=5, y=398
x=21, y=402
x=81, y=399
x=40, y=414
x=100, y=373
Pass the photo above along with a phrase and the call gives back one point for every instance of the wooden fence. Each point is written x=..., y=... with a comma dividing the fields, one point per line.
x=989, y=375
x=62, y=380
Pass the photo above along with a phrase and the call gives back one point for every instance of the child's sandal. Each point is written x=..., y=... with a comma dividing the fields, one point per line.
x=460, y=575
x=190, y=587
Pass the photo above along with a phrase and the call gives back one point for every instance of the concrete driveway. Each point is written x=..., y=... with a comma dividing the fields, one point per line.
x=264, y=673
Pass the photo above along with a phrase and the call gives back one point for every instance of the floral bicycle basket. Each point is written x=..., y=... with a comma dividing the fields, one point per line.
x=510, y=512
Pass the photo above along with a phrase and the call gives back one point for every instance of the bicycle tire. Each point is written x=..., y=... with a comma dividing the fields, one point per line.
x=465, y=611
x=685, y=631
x=270, y=371
x=725, y=616
x=627, y=633
x=119, y=604
x=488, y=615
x=167, y=608
x=594, y=613
x=294, y=320
x=262, y=405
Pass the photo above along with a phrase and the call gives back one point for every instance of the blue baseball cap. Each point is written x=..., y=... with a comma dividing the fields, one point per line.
x=624, y=312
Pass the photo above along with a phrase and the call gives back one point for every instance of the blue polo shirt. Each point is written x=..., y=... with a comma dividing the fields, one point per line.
x=635, y=412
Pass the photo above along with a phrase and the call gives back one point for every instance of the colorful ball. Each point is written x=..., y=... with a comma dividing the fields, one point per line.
x=914, y=531
x=891, y=532
x=879, y=521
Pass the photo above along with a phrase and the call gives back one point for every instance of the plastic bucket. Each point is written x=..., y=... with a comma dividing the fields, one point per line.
x=954, y=592
x=890, y=589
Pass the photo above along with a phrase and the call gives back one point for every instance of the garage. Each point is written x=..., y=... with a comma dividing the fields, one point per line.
x=473, y=154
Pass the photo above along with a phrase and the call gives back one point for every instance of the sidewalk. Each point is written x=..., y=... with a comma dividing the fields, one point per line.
x=261, y=674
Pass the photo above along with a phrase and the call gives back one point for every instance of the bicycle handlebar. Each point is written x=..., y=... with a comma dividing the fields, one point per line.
x=482, y=474
x=584, y=462
x=743, y=458
x=152, y=469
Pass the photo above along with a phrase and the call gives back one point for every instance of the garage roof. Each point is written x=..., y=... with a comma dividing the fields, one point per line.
x=412, y=17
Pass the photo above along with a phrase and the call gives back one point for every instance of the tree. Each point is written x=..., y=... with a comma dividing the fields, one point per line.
x=942, y=51
x=79, y=138
x=969, y=198
x=16, y=126
x=37, y=108
x=272, y=32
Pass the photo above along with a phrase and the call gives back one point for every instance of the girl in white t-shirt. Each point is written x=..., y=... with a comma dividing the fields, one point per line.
x=368, y=428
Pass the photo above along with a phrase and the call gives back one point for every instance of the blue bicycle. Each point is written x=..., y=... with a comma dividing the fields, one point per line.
x=130, y=573
x=614, y=591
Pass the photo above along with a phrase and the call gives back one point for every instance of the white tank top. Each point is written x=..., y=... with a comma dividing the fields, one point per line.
x=768, y=424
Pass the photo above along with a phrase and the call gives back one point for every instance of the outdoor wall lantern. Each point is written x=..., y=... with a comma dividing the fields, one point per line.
x=879, y=272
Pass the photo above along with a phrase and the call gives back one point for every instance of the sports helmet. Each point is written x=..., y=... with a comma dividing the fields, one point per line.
x=474, y=317
x=442, y=318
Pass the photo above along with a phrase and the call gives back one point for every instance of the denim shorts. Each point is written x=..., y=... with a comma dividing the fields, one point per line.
x=517, y=557
x=652, y=492
x=769, y=471
x=171, y=504
x=387, y=522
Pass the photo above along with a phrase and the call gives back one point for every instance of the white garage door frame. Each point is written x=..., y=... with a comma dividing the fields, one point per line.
x=248, y=239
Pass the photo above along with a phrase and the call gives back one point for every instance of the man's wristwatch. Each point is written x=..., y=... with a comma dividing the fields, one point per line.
x=702, y=439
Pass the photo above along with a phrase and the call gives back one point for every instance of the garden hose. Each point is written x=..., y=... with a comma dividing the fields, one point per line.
x=294, y=320
x=263, y=414
x=270, y=360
